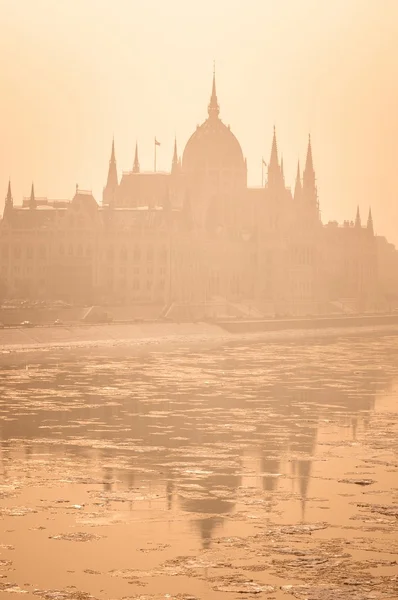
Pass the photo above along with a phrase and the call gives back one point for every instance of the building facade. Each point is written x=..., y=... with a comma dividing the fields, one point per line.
x=195, y=236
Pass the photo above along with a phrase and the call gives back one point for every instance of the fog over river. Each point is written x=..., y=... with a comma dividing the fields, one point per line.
x=236, y=469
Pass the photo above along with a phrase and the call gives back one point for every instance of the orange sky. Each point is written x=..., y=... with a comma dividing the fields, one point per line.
x=73, y=73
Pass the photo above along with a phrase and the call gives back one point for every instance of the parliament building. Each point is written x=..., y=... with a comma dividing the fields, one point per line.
x=197, y=237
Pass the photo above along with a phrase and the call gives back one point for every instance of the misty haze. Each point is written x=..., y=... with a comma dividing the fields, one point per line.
x=199, y=340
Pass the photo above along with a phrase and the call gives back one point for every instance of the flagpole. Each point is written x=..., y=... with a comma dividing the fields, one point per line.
x=155, y=154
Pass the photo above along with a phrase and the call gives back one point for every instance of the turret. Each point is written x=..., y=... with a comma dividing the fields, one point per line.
x=310, y=192
x=358, y=219
x=175, y=162
x=112, y=181
x=136, y=165
x=275, y=177
x=32, y=199
x=9, y=203
x=369, y=225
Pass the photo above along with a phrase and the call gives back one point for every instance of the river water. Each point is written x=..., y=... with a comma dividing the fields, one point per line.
x=238, y=470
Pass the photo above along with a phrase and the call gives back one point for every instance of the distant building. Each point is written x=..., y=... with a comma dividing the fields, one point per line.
x=197, y=235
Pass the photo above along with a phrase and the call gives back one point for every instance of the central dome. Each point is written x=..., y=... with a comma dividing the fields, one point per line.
x=212, y=145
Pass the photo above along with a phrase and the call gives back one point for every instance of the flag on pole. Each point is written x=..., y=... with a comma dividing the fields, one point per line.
x=157, y=143
x=264, y=163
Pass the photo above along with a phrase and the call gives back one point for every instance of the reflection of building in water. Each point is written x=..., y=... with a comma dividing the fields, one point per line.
x=207, y=502
x=119, y=443
x=194, y=235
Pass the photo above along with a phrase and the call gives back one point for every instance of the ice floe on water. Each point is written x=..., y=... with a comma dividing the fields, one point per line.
x=228, y=470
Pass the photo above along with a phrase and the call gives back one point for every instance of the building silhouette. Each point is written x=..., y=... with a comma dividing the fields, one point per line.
x=197, y=237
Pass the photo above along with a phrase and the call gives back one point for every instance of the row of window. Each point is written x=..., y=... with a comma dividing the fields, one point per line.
x=26, y=270
x=137, y=271
x=23, y=252
x=303, y=256
x=137, y=254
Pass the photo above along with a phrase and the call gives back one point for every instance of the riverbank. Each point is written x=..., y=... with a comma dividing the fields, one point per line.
x=25, y=345
x=307, y=323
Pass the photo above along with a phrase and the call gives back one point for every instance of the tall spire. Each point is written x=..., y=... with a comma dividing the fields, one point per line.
x=9, y=200
x=274, y=171
x=310, y=192
x=112, y=181
x=174, y=164
x=213, y=108
x=9, y=203
x=358, y=219
x=370, y=222
x=112, y=172
x=32, y=201
x=309, y=165
x=297, y=187
x=136, y=165
x=273, y=161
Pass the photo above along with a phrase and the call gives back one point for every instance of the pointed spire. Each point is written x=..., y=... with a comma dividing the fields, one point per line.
x=275, y=179
x=273, y=161
x=370, y=222
x=297, y=187
x=112, y=181
x=213, y=108
x=309, y=165
x=9, y=199
x=310, y=192
x=136, y=165
x=174, y=163
x=9, y=203
x=358, y=219
x=32, y=201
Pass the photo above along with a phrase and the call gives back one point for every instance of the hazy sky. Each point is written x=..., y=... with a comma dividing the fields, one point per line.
x=75, y=72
